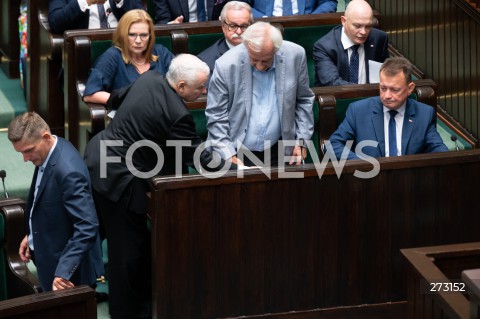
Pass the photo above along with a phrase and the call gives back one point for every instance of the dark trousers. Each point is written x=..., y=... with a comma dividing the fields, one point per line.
x=129, y=260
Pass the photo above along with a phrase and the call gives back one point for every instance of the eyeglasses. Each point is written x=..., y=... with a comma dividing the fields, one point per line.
x=134, y=36
x=234, y=27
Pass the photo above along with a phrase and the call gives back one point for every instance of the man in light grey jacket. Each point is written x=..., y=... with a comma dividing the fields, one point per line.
x=259, y=96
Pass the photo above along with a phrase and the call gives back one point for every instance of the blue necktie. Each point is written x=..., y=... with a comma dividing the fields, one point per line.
x=354, y=63
x=201, y=15
x=392, y=134
x=287, y=8
x=102, y=16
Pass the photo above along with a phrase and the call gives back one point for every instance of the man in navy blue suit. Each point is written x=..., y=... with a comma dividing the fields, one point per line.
x=269, y=8
x=178, y=11
x=84, y=14
x=61, y=221
x=413, y=123
x=332, y=53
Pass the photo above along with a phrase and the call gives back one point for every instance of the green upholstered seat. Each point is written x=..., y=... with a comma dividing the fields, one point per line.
x=306, y=37
x=199, y=42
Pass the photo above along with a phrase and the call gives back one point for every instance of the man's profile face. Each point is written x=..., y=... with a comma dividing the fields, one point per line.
x=236, y=22
x=35, y=150
x=191, y=92
x=394, y=90
x=262, y=60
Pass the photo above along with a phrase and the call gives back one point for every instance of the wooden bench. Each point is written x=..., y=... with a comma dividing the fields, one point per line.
x=16, y=279
x=9, y=39
x=431, y=271
x=87, y=45
x=75, y=303
x=293, y=247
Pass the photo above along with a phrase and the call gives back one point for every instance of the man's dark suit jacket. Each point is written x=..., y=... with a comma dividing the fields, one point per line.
x=364, y=121
x=64, y=221
x=331, y=60
x=149, y=110
x=66, y=14
x=213, y=52
x=168, y=10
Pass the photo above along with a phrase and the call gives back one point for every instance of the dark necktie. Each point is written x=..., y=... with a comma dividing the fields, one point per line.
x=392, y=134
x=354, y=63
x=287, y=8
x=102, y=16
x=201, y=15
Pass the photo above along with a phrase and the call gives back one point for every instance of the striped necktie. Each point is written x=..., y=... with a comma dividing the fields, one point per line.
x=102, y=16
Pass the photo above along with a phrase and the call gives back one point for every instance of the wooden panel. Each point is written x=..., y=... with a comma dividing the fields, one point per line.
x=9, y=38
x=230, y=247
x=439, y=264
x=74, y=303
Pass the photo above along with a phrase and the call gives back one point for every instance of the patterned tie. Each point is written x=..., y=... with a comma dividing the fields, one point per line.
x=201, y=15
x=287, y=8
x=354, y=63
x=102, y=16
x=392, y=134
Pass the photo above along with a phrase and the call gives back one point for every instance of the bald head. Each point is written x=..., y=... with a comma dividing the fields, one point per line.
x=358, y=21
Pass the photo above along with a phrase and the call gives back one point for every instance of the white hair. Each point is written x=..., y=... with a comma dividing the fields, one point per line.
x=257, y=35
x=185, y=67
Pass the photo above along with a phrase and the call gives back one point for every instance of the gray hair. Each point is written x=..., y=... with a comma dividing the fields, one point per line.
x=257, y=35
x=28, y=126
x=185, y=67
x=236, y=6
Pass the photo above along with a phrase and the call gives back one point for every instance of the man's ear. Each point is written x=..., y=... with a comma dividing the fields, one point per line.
x=411, y=87
x=181, y=85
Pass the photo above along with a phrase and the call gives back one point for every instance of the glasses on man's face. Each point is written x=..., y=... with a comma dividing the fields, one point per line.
x=134, y=36
x=234, y=27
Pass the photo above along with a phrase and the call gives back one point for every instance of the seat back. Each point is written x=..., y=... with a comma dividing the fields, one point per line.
x=3, y=277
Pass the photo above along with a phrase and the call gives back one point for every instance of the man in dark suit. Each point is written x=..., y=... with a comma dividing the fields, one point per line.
x=62, y=225
x=236, y=17
x=178, y=11
x=152, y=116
x=86, y=14
x=270, y=8
x=391, y=124
x=355, y=38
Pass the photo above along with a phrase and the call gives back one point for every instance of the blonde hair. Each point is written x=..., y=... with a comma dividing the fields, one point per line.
x=28, y=126
x=120, y=35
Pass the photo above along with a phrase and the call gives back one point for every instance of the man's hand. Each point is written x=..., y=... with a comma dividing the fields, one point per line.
x=235, y=160
x=298, y=156
x=24, y=251
x=60, y=283
x=178, y=19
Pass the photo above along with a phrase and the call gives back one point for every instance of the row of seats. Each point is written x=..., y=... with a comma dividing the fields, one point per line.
x=82, y=47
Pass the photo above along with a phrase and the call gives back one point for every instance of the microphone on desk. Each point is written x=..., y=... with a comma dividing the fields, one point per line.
x=454, y=139
x=3, y=174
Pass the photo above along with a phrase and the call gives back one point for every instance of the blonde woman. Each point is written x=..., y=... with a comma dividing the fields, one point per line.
x=133, y=53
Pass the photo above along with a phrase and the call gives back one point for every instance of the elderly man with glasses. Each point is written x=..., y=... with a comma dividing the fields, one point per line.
x=236, y=17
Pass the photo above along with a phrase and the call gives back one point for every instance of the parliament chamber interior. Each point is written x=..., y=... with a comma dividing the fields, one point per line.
x=301, y=242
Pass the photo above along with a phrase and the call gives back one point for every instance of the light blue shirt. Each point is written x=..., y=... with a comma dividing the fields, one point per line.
x=264, y=121
x=41, y=169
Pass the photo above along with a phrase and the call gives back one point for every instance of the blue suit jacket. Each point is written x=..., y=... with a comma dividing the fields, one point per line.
x=331, y=60
x=66, y=14
x=64, y=221
x=168, y=10
x=261, y=8
x=364, y=122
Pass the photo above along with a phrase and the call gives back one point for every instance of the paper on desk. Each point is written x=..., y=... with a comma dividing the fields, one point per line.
x=374, y=71
x=111, y=114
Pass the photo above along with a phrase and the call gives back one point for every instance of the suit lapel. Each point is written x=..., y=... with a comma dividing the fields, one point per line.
x=247, y=85
x=343, y=54
x=49, y=168
x=408, y=125
x=378, y=127
x=280, y=78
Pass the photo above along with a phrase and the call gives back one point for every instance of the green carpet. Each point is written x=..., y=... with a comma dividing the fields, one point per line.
x=12, y=100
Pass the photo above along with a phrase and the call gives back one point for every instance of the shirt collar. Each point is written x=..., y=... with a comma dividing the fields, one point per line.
x=346, y=42
x=42, y=167
x=400, y=110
